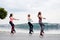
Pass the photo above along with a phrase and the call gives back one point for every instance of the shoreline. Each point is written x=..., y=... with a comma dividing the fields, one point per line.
x=27, y=31
x=26, y=36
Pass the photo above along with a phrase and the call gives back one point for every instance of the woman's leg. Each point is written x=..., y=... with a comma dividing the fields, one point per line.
x=41, y=29
x=29, y=27
x=12, y=29
x=32, y=27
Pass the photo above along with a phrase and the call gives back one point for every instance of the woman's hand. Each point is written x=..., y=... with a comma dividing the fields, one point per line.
x=15, y=19
x=44, y=18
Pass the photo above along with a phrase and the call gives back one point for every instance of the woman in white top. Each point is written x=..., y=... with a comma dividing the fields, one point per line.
x=30, y=24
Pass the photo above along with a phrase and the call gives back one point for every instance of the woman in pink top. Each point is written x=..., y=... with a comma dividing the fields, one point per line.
x=11, y=23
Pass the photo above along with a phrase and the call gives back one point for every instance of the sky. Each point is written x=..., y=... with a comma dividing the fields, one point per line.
x=50, y=9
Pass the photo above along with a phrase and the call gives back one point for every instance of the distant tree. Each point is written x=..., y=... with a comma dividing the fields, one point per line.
x=3, y=13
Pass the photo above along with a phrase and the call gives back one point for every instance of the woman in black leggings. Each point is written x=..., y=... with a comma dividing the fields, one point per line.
x=30, y=24
x=11, y=23
x=40, y=23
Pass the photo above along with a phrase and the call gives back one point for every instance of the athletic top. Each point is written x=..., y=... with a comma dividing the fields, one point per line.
x=40, y=19
x=11, y=19
x=29, y=20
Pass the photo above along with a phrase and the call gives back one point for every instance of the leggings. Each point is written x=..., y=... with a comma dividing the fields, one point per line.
x=12, y=29
x=30, y=27
x=42, y=27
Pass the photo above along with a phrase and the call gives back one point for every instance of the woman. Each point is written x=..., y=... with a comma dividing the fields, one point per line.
x=40, y=23
x=30, y=24
x=11, y=23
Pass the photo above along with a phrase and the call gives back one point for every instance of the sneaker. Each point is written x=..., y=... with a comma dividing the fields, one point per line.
x=30, y=33
x=41, y=34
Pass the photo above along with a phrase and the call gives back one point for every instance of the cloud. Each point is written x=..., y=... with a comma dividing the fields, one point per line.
x=24, y=5
x=49, y=8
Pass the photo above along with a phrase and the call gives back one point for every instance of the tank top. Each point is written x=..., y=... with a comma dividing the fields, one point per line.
x=40, y=19
x=11, y=19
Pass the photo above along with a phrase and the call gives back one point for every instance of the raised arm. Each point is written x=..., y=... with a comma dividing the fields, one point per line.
x=15, y=19
x=43, y=18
